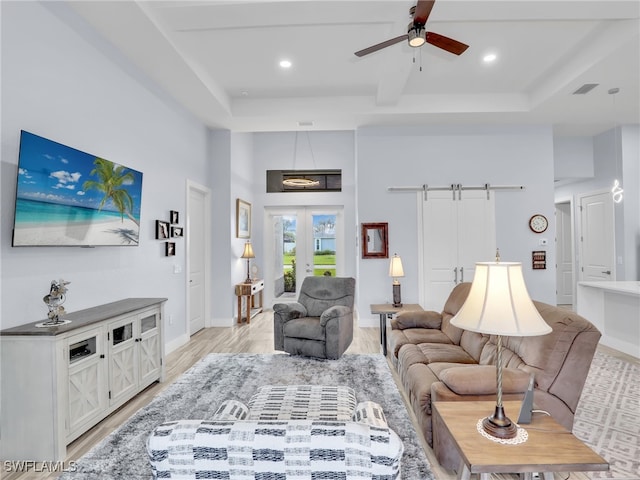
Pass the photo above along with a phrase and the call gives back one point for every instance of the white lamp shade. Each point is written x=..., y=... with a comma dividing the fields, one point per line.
x=395, y=267
x=499, y=304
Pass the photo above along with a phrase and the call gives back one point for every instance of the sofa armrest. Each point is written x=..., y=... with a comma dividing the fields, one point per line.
x=336, y=311
x=481, y=380
x=417, y=319
x=289, y=311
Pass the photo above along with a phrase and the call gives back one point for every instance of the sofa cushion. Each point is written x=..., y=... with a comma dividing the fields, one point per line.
x=481, y=380
x=302, y=402
x=427, y=353
x=417, y=319
x=451, y=307
x=370, y=413
x=231, y=410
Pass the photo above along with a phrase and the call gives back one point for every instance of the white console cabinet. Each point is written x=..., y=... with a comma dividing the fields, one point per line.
x=58, y=382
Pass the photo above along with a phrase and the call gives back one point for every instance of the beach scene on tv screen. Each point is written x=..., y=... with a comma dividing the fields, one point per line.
x=65, y=197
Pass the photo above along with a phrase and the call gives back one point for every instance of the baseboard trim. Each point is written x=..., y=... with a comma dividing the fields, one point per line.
x=175, y=343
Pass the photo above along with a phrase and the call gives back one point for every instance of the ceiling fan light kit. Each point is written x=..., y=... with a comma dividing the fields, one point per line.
x=417, y=35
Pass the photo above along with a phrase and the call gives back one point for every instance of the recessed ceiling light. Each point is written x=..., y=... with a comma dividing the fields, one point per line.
x=285, y=63
x=490, y=57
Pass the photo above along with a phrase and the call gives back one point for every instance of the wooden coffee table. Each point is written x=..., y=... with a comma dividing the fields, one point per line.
x=549, y=448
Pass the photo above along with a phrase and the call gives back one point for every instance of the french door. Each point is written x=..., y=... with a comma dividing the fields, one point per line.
x=301, y=242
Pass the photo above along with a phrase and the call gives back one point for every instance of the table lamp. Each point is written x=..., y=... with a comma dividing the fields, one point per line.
x=395, y=271
x=499, y=304
x=248, y=254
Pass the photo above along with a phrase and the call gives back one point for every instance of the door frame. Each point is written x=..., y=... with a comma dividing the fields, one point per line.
x=572, y=243
x=206, y=221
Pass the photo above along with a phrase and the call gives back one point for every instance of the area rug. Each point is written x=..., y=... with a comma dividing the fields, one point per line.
x=217, y=377
x=608, y=415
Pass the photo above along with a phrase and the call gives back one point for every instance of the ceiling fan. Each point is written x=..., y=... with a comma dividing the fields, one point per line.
x=417, y=35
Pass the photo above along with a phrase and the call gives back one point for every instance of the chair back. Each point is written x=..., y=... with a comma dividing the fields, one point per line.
x=317, y=294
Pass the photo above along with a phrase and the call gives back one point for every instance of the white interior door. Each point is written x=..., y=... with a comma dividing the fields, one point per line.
x=198, y=239
x=564, y=255
x=597, y=237
x=456, y=233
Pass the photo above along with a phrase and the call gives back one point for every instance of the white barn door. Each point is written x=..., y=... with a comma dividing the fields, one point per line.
x=456, y=233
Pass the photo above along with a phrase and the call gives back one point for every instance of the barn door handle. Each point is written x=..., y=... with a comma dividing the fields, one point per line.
x=608, y=272
x=455, y=272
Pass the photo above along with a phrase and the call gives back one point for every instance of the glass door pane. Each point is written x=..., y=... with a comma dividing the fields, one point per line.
x=304, y=241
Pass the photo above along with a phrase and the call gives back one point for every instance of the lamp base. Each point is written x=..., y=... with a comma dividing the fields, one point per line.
x=397, y=301
x=498, y=425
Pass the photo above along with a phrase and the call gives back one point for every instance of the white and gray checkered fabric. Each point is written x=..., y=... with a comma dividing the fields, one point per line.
x=299, y=402
x=371, y=413
x=231, y=410
x=274, y=450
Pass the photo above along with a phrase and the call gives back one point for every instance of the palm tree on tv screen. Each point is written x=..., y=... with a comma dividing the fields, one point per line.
x=111, y=178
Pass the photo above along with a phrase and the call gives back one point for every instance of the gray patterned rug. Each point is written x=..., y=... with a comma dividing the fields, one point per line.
x=217, y=377
x=608, y=416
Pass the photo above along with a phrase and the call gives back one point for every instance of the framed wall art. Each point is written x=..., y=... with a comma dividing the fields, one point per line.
x=174, y=216
x=177, y=231
x=162, y=230
x=243, y=219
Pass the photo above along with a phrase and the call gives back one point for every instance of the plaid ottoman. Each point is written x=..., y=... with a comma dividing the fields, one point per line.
x=302, y=402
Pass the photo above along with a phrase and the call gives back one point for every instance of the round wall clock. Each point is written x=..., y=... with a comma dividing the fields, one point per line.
x=538, y=223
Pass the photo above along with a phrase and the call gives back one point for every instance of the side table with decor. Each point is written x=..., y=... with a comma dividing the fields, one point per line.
x=247, y=293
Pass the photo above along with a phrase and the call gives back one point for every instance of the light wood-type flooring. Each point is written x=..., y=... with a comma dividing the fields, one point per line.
x=256, y=337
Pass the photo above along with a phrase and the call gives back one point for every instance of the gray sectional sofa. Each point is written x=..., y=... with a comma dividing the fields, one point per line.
x=439, y=362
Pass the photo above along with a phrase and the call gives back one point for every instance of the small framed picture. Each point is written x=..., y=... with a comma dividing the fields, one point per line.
x=174, y=216
x=177, y=231
x=162, y=230
x=243, y=219
x=170, y=249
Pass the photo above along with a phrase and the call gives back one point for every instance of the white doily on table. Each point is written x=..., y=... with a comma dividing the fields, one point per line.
x=520, y=437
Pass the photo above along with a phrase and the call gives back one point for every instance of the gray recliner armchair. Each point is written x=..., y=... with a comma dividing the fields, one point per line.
x=320, y=323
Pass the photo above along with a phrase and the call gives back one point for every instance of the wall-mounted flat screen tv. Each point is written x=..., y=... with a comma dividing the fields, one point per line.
x=65, y=197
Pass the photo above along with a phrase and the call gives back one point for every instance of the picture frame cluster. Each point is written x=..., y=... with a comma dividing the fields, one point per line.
x=168, y=230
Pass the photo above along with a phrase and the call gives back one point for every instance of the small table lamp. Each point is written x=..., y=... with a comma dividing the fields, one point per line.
x=395, y=271
x=499, y=304
x=248, y=254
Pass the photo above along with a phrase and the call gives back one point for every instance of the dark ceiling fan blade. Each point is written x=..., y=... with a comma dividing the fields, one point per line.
x=422, y=12
x=446, y=43
x=380, y=46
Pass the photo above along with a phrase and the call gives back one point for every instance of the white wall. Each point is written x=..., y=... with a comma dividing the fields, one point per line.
x=76, y=90
x=573, y=157
x=329, y=150
x=624, y=144
x=440, y=156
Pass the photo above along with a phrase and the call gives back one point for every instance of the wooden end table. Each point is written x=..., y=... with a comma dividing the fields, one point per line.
x=549, y=448
x=388, y=310
x=247, y=291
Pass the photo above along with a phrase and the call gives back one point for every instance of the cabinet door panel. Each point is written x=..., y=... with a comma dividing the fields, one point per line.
x=87, y=391
x=149, y=348
x=123, y=360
